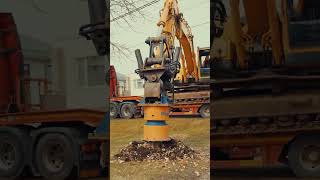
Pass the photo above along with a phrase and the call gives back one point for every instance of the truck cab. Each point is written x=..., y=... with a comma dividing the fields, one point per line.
x=204, y=64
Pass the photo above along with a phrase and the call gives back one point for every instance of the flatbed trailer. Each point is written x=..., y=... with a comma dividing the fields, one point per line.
x=267, y=130
x=191, y=103
x=257, y=151
x=53, y=144
x=127, y=107
x=189, y=109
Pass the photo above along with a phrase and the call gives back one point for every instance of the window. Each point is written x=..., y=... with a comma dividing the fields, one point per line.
x=95, y=74
x=138, y=83
x=91, y=71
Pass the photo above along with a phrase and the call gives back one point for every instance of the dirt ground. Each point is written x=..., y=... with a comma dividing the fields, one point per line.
x=194, y=132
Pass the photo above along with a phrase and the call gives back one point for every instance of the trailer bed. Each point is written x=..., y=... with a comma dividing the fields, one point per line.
x=87, y=116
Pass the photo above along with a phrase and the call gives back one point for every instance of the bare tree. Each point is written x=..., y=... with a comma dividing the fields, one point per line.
x=123, y=14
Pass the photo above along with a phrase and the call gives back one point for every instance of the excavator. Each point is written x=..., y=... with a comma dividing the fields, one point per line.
x=194, y=64
x=162, y=66
x=191, y=85
x=264, y=80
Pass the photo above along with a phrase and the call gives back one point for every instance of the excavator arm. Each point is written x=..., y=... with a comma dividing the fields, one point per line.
x=173, y=25
x=185, y=37
x=98, y=29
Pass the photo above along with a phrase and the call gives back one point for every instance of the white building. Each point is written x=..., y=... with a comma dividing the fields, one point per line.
x=76, y=74
x=79, y=74
x=53, y=50
x=37, y=65
x=123, y=86
x=135, y=85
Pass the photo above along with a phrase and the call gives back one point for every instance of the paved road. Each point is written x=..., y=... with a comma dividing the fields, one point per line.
x=255, y=174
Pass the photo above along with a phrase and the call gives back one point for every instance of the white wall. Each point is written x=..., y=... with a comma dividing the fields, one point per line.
x=37, y=70
x=77, y=96
x=133, y=89
x=35, y=54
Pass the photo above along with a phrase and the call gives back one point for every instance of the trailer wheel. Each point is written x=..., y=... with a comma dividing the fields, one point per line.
x=205, y=111
x=128, y=110
x=54, y=156
x=11, y=155
x=114, y=110
x=304, y=156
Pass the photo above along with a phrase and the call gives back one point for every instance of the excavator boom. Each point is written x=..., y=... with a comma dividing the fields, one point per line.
x=173, y=25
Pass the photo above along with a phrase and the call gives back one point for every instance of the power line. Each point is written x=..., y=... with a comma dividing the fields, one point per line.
x=134, y=10
x=197, y=25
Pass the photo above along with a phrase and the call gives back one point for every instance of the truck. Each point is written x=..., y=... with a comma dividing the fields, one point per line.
x=264, y=81
x=188, y=97
x=39, y=140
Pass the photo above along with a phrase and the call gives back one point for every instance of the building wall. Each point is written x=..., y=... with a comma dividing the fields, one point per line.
x=37, y=69
x=37, y=66
x=67, y=57
x=122, y=85
x=55, y=27
x=136, y=85
x=67, y=89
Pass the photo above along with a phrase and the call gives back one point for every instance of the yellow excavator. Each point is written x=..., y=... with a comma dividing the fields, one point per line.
x=277, y=34
x=265, y=81
x=162, y=66
x=173, y=25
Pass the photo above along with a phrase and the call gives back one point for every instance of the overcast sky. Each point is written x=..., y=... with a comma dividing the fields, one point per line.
x=49, y=21
x=197, y=14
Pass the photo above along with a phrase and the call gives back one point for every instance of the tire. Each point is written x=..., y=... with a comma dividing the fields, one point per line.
x=128, y=110
x=114, y=110
x=304, y=156
x=205, y=111
x=54, y=156
x=12, y=155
